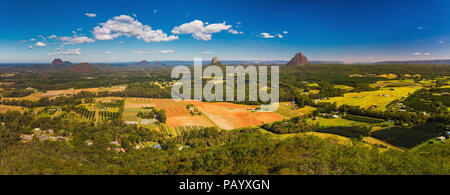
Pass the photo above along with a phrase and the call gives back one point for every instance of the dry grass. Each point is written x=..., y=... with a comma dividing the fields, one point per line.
x=285, y=109
x=5, y=108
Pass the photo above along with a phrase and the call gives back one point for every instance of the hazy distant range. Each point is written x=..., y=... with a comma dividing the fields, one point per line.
x=229, y=62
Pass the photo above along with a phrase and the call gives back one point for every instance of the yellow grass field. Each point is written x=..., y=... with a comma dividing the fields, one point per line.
x=344, y=87
x=380, y=98
x=285, y=109
x=398, y=83
x=389, y=76
x=5, y=108
x=312, y=85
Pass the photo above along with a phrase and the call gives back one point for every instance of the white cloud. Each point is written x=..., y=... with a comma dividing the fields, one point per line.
x=199, y=31
x=39, y=44
x=91, y=15
x=79, y=29
x=285, y=32
x=441, y=41
x=207, y=52
x=60, y=51
x=416, y=53
x=279, y=36
x=42, y=37
x=421, y=28
x=427, y=54
x=30, y=47
x=108, y=52
x=134, y=15
x=76, y=40
x=52, y=37
x=153, y=51
x=127, y=26
x=266, y=35
x=33, y=39
x=232, y=31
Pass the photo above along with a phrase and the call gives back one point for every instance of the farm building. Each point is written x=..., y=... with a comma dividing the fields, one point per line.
x=157, y=146
x=441, y=138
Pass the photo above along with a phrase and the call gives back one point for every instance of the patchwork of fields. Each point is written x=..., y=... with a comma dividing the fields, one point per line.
x=176, y=112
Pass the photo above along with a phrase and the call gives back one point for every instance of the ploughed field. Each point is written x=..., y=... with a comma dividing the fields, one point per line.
x=223, y=115
x=232, y=116
x=176, y=112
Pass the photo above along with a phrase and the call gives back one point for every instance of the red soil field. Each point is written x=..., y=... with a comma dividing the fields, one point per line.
x=231, y=116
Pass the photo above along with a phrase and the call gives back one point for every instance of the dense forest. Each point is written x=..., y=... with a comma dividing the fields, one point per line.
x=206, y=151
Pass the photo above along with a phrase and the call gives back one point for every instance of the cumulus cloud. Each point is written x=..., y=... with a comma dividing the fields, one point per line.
x=279, y=36
x=285, y=32
x=153, y=51
x=266, y=35
x=91, y=15
x=127, y=26
x=76, y=40
x=60, y=51
x=33, y=39
x=198, y=29
x=416, y=53
x=52, y=37
x=39, y=44
x=427, y=54
x=30, y=47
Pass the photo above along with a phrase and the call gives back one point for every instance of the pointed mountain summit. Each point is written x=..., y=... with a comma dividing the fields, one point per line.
x=59, y=64
x=298, y=60
x=216, y=61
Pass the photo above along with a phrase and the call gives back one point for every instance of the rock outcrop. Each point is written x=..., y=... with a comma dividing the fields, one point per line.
x=58, y=63
x=215, y=60
x=298, y=60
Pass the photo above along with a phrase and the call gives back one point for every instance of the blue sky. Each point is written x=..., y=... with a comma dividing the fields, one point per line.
x=120, y=31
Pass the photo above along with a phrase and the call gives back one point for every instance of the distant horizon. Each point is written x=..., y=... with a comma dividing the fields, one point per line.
x=205, y=60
